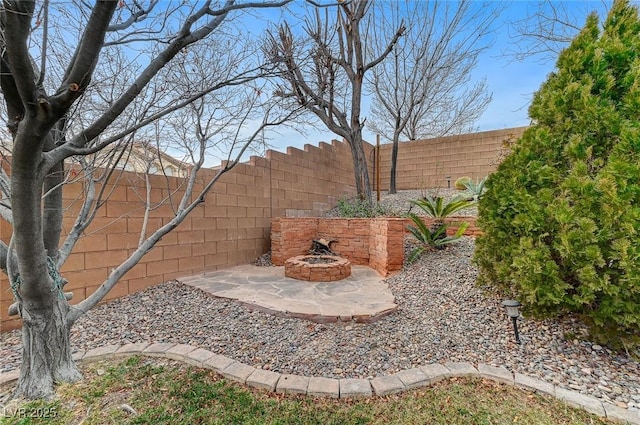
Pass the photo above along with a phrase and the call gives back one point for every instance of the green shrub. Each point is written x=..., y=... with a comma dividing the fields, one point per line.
x=359, y=208
x=561, y=215
x=460, y=183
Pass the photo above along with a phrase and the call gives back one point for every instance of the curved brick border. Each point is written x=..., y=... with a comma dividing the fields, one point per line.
x=346, y=388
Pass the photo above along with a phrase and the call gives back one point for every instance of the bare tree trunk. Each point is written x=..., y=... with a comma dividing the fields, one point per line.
x=394, y=160
x=46, y=352
x=360, y=169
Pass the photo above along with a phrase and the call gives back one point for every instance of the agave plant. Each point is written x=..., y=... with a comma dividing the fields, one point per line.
x=476, y=189
x=429, y=239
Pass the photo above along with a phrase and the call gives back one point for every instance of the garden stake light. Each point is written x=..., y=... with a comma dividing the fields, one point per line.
x=511, y=306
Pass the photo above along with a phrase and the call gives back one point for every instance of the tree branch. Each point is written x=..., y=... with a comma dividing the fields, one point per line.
x=81, y=69
x=137, y=16
x=18, y=16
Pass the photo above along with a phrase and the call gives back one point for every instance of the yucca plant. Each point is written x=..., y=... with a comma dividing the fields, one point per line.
x=476, y=189
x=429, y=239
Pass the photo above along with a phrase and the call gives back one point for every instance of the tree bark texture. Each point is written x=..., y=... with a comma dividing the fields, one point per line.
x=360, y=169
x=394, y=162
x=46, y=349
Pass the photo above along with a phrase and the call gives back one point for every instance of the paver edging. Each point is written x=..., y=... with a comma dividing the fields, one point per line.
x=383, y=385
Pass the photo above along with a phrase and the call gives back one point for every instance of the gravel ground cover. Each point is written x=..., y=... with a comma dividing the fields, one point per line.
x=399, y=203
x=442, y=316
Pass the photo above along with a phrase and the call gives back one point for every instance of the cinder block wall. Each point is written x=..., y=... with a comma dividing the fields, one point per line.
x=307, y=183
x=233, y=225
x=426, y=163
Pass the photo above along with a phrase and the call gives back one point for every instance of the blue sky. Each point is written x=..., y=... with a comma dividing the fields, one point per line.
x=512, y=83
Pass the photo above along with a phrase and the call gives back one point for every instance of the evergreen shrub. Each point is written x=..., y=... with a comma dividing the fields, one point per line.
x=561, y=215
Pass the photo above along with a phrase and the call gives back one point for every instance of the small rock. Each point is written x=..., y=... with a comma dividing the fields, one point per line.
x=128, y=409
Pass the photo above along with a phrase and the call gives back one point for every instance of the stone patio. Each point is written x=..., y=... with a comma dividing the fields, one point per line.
x=362, y=297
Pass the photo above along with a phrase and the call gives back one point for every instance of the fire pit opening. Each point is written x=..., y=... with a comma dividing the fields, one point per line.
x=322, y=265
x=319, y=259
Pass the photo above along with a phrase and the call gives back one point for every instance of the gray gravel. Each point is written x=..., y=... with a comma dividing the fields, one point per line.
x=399, y=203
x=441, y=317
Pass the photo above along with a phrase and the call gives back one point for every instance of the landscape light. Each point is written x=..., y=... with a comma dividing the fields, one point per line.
x=512, y=308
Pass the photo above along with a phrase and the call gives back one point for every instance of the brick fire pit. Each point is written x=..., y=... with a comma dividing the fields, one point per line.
x=317, y=268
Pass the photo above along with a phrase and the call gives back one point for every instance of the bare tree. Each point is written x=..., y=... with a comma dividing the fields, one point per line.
x=326, y=74
x=549, y=27
x=422, y=89
x=56, y=111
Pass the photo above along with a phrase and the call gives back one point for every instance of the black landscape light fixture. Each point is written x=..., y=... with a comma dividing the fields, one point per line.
x=512, y=308
x=448, y=182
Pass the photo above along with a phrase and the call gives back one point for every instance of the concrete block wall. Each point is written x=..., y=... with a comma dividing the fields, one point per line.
x=427, y=163
x=233, y=225
x=307, y=183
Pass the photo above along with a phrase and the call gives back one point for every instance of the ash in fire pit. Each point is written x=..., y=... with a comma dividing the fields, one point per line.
x=318, y=260
x=322, y=247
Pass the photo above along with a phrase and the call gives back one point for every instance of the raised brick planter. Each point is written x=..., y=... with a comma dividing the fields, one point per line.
x=374, y=242
x=328, y=268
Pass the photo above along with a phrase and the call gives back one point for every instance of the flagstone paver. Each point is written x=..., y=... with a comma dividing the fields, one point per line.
x=363, y=296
